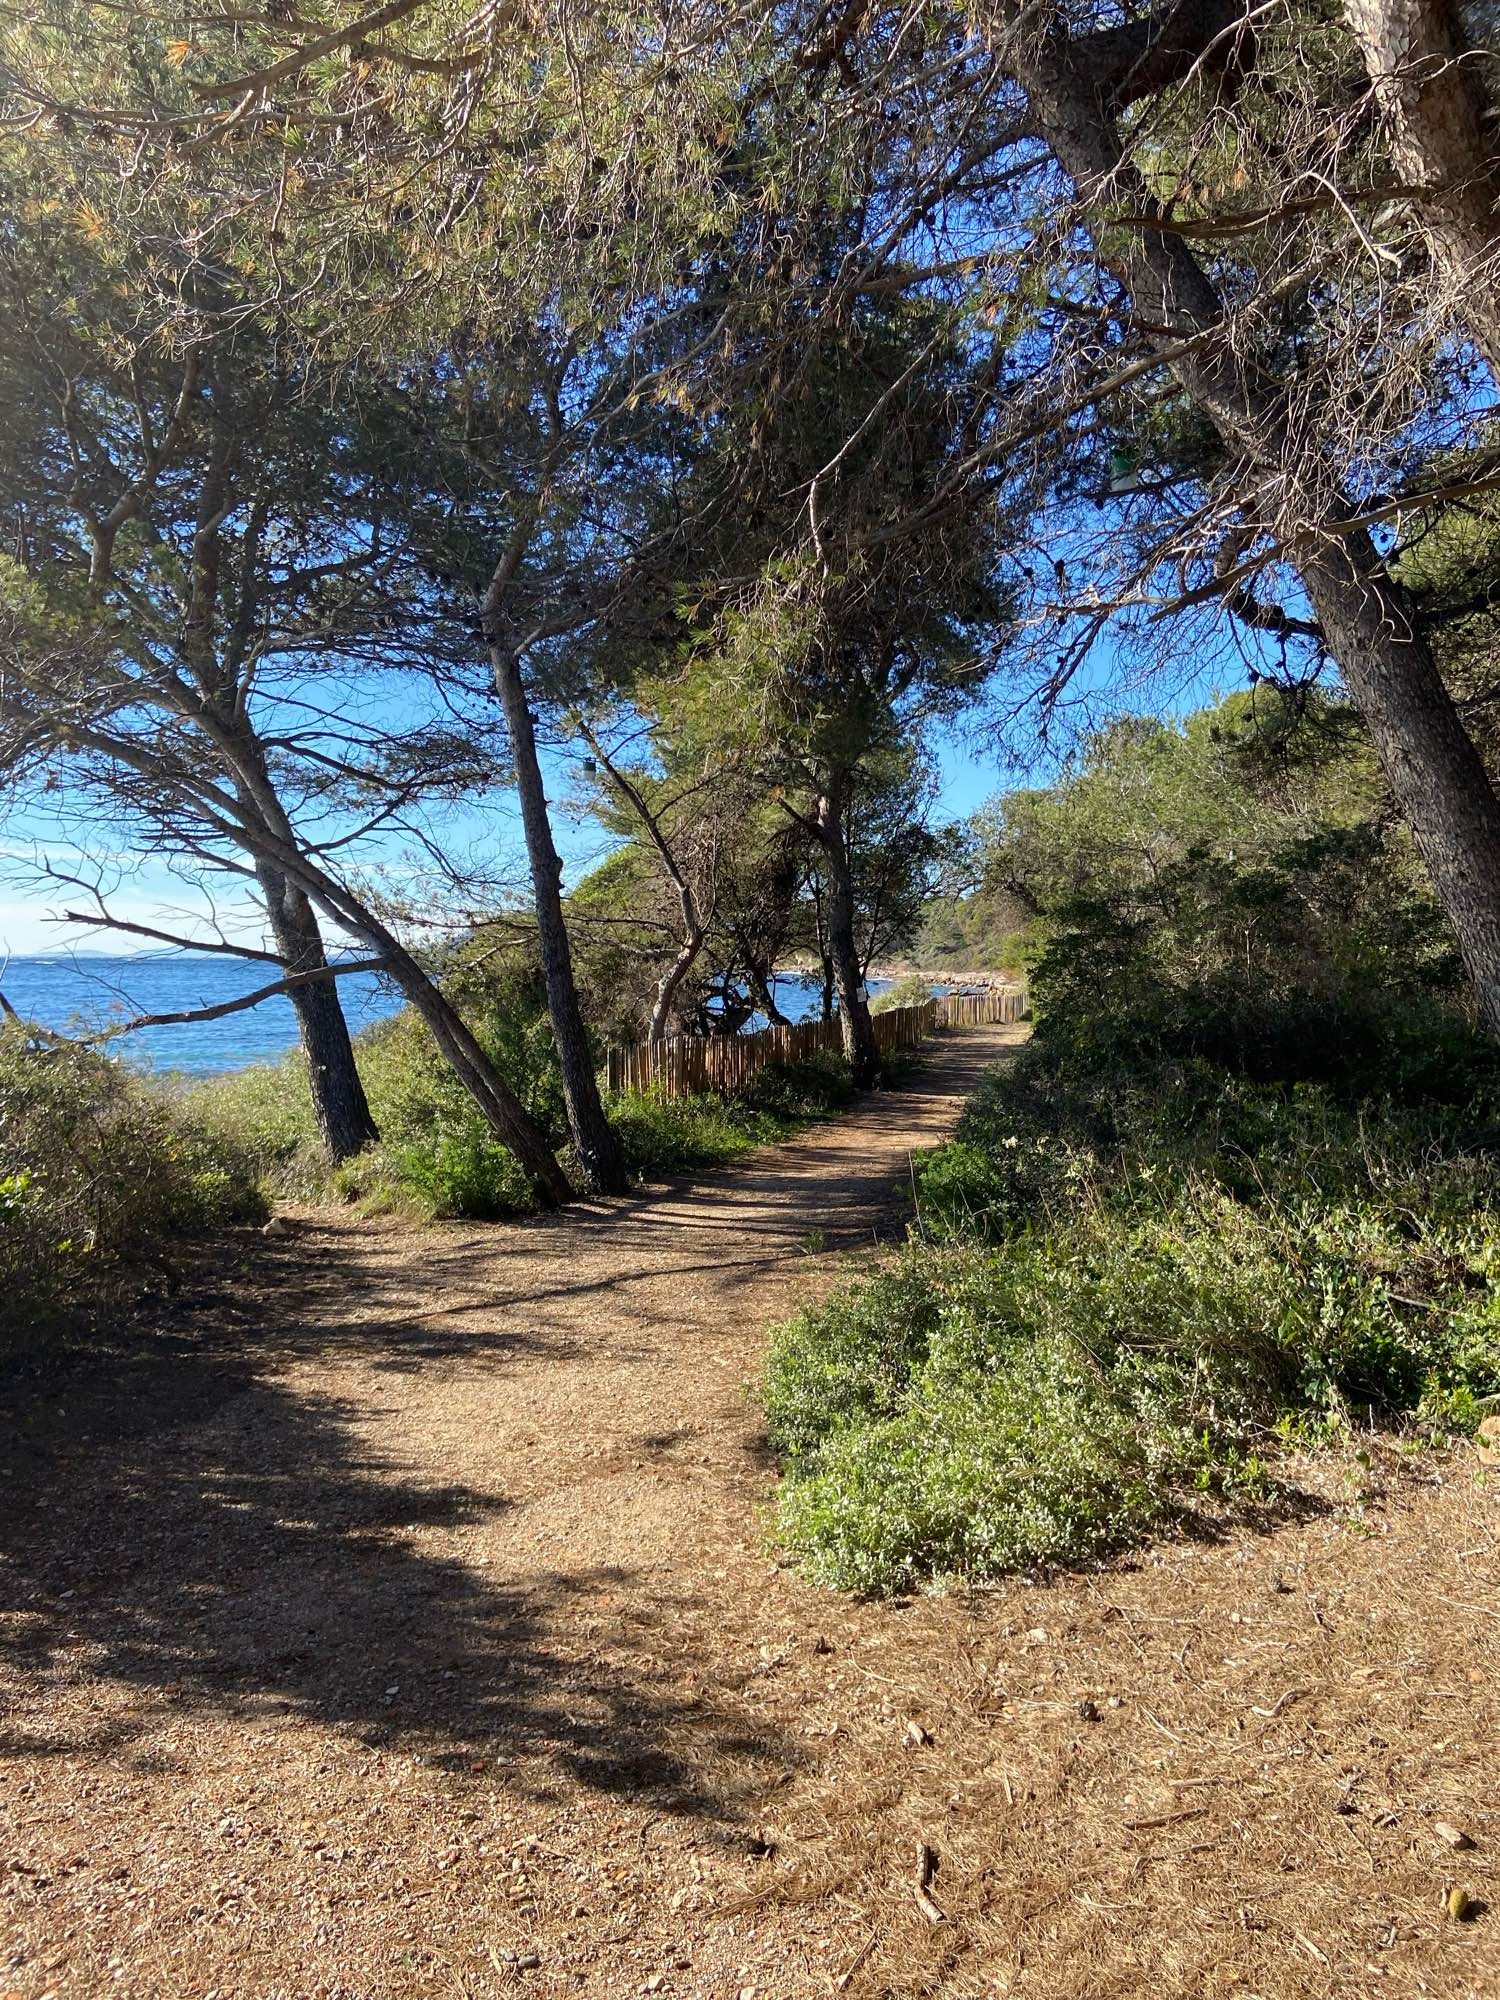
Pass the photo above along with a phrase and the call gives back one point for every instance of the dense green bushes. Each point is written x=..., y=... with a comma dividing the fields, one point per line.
x=99, y=1175
x=1125, y=1293
x=1248, y=853
x=1241, y=1191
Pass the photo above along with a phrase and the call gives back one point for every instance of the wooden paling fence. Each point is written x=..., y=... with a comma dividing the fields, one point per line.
x=686, y=1065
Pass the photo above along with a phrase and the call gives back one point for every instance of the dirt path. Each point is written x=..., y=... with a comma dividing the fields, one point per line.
x=399, y=1624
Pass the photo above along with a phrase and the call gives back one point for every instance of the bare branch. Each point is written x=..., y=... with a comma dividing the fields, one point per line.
x=290, y=984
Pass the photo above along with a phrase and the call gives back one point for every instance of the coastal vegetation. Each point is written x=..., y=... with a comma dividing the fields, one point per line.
x=1238, y=1197
x=436, y=1157
x=102, y=1178
x=112, y=1173
x=711, y=446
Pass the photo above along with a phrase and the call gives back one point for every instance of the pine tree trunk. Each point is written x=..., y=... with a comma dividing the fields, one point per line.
x=338, y=1096
x=1429, y=760
x=857, y=1029
x=600, y=1161
x=667, y=985
x=1434, y=771
x=1427, y=77
x=497, y=1103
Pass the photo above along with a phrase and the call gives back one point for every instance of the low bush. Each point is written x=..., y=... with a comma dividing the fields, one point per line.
x=811, y=1088
x=100, y=1175
x=1241, y=1189
x=934, y=1428
x=669, y=1135
x=912, y=989
x=264, y=1112
x=436, y=1155
x=1123, y=1298
x=436, y=1150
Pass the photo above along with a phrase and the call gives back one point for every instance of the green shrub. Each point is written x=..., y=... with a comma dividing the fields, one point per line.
x=912, y=989
x=671, y=1135
x=436, y=1144
x=847, y=1364
x=264, y=1112
x=1042, y=1459
x=664, y=1135
x=972, y=1193
x=1240, y=1189
x=1133, y=1283
x=99, y=1174
x=436, y=1154
x=811, y=1088
x=463, y=1171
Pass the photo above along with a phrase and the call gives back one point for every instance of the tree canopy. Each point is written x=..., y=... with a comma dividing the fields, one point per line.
x=738, y=400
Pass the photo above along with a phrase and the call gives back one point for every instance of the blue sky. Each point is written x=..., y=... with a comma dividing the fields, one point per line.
x=147, y=892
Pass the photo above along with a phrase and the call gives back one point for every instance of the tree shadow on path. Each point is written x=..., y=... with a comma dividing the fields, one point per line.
x=190, y=1523
x=180, y=1525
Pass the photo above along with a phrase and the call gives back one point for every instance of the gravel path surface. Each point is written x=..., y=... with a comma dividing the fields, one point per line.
x=395, y=1619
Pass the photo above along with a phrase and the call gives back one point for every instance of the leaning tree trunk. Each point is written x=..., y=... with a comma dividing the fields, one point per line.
x=502, y=1110
x=667, y=986
x=269, y=838
x=1428, y=79
x=758, y=978
x=256, y=823
x=857, y=1029
x=338, y=1096
x=694, y=931
x=1429, y=760
x=599, y=1157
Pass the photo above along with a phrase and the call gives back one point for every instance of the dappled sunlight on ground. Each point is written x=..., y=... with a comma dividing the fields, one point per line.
x=395, y=1619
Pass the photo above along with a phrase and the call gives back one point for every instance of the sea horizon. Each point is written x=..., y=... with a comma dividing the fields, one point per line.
x=81, y=992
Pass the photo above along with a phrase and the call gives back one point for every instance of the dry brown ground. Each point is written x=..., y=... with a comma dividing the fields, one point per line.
x=396, y=1621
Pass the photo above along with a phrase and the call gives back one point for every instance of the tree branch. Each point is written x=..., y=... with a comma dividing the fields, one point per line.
x=223, y=1007
x=367, y=24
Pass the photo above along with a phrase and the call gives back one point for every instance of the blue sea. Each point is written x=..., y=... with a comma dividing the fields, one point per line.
x=80, y=991
x=76, y=992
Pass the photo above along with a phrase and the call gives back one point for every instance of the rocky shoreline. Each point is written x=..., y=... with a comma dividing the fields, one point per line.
x=962, y=979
